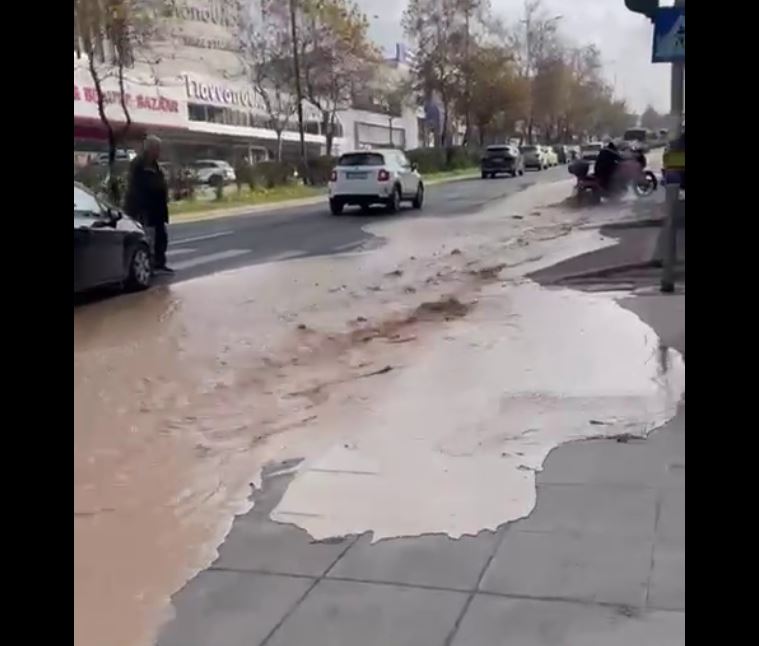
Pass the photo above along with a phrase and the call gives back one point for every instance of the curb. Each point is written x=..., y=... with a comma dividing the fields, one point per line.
x=267, y=208
x=604, y=272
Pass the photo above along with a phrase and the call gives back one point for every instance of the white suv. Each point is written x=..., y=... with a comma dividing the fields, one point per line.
x=374, y=177
x=213, y=171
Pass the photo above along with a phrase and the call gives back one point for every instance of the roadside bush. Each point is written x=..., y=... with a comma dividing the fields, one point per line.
x=244, y=175
x=428, y=160
x=436, y=160
x=319, y=169
x=268, y=174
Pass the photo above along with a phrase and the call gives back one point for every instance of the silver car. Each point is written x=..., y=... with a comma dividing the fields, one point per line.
x=534, y=157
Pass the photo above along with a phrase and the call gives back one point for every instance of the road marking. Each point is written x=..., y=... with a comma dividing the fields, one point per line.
x=211, y=257
x=179, y=252
x=208, y=236
x=285, y=255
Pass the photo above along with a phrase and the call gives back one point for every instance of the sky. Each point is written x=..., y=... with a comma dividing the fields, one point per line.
x=623, y=37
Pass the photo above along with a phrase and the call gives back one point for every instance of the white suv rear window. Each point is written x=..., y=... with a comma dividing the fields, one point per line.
x=361, y=159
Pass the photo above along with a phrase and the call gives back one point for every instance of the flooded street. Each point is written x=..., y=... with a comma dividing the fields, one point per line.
x=427, y=376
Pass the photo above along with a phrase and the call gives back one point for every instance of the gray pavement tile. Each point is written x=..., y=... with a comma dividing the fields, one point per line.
x=424, y=560
x=498, y=621
x=613, y=510
x=605, y=462
x=348, y=613
x=671, y=524
x=584, y=567
x=257, y=543
x=230, y=608
x=667, y=583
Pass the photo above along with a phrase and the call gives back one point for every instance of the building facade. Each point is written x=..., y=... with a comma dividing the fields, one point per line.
x=189, y=88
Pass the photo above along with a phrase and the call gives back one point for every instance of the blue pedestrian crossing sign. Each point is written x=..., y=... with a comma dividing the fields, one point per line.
x=669, y=35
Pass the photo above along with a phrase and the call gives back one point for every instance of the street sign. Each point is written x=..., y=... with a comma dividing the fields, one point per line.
x=669, y=35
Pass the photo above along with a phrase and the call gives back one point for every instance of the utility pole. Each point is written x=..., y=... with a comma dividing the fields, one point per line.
x=677, y=96
x=298, y=89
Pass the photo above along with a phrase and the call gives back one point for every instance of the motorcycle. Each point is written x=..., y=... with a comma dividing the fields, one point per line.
x=629, y=173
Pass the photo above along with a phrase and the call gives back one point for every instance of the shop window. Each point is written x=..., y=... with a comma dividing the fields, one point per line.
x=197, y=112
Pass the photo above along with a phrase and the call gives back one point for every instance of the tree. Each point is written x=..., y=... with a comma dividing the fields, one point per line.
x=336, y=55
x=497, y=93
x=536, y=44
x=652, y=119
x=393, y=96
x=113, y=36
x=433, y=26
x=266, y=49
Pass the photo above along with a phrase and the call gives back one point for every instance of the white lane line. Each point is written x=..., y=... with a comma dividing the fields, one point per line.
x=179, y=252
x=208, y=236
x=211, y=257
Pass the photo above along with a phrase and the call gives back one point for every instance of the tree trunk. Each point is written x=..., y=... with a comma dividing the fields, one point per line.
x=112, y=187
x=327, y=132
x=444, y=130
x=390, y=120
x=279, y=145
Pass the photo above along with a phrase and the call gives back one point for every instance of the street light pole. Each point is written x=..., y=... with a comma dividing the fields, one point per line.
x=298, y=89
x=677, y=100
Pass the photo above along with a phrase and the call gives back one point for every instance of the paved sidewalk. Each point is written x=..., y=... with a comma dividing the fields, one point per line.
x=599, y=562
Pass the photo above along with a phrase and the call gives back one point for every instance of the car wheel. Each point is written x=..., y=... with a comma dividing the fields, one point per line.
x=394, y=203
x=521, y=172
x=419, y=197
x=335, y=207
x=484, y=175
x=365, y=209
x=513, y=173
x=140, y=269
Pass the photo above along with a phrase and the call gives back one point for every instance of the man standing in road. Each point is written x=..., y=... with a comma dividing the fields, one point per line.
x=147, y=199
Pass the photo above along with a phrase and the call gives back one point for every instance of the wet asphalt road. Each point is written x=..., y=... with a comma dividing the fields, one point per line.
x=200, y=248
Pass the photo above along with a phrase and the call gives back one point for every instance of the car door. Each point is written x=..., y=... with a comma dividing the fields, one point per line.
x=98, y=245
x=408, y=176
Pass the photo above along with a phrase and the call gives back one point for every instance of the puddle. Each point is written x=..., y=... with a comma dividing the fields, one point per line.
x=537, y=368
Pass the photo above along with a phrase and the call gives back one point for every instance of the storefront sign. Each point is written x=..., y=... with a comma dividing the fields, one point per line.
x=207, y=92
x=147, y=103
x=139, y=101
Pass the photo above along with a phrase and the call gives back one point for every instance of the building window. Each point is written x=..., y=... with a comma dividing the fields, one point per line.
x=197, y=112
x=374, y=135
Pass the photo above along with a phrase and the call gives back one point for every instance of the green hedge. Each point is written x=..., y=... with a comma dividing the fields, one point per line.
x=436, y=160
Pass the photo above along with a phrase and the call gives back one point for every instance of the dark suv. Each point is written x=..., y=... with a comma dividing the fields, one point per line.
x=501, y=158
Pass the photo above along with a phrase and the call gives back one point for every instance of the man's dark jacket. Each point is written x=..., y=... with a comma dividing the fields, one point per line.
x=147, y=193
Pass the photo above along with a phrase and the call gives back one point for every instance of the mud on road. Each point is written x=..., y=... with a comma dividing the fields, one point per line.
x=185, y=393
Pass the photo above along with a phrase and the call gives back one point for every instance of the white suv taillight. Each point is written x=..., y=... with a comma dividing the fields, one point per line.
x=333, y=176
x=383, y=175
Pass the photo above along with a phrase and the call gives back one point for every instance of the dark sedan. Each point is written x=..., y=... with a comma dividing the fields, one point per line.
x=501, y=159
x=109, y=247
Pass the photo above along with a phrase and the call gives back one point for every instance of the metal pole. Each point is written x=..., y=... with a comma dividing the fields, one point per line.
x=298, y=90
x=677, y=94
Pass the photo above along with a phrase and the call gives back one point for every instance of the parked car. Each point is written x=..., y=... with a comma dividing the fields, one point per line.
x=214, y=172
x=122, y=155
x=552, y=159
x=562, y=152
x=590, y=151
x=109, y=247
x=534, y=157
x=574, y=152
x=502, y=158
x=366, y=177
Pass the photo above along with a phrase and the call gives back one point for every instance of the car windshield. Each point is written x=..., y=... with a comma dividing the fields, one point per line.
x=494, y=151
x=361, y=159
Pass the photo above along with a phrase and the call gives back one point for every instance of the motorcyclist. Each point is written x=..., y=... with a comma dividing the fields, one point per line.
x=606, y=165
